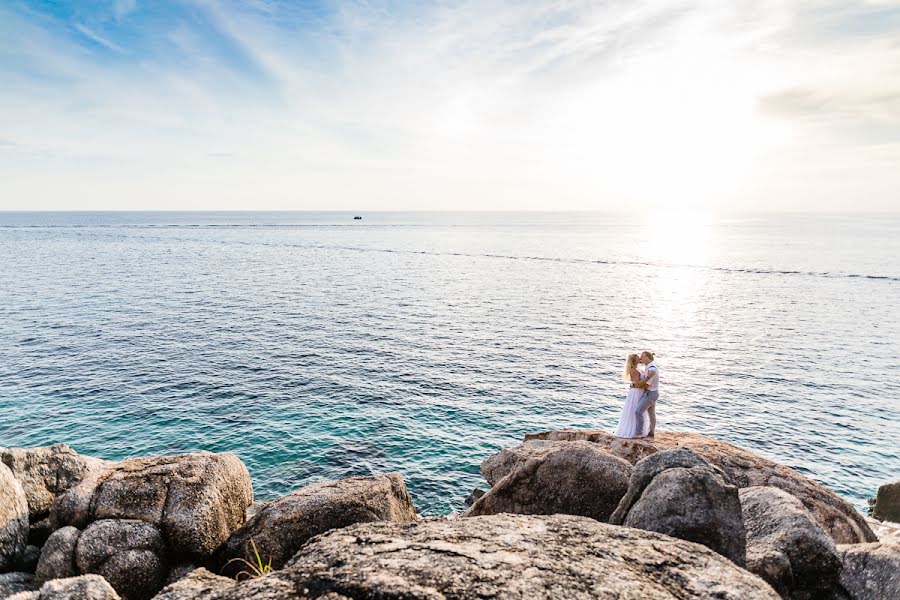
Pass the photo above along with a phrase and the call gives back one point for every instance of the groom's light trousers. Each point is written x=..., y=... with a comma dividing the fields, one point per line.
x=648, y=404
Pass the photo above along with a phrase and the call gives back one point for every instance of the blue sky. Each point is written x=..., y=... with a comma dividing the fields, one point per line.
x=560, y=104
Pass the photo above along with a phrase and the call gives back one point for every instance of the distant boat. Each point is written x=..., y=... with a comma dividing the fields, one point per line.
x=357, y=218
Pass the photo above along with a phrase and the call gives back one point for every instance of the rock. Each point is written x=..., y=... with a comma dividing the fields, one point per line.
x=503, y=557
x=887, y=503
x=787, y=547
x=870, y=570
x=679, y=493
x=281, y=527
x=574, y=478
x=496, y=467
x=46, y=472
x=85, y=587
x=29, y=559
x=473, y=496
x=14, y=583
x=129, y=554
x=745, y=469
x=57, y=559
x=199, y=584
x=196, y=500
x=13, y=520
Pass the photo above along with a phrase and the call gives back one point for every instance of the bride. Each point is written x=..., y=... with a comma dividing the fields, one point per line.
x=627, y=422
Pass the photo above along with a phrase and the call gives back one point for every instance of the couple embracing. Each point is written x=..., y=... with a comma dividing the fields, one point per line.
x=639, y=414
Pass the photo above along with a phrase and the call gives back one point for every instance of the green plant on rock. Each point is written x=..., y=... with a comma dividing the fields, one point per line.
x=256, y=568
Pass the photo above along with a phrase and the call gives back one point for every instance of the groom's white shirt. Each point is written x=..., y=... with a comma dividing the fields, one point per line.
x=651, y=376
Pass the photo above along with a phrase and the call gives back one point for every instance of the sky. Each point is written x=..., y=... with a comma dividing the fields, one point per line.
x=428, y=105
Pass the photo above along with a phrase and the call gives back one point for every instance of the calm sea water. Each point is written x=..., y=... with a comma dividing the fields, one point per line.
x=315, y=346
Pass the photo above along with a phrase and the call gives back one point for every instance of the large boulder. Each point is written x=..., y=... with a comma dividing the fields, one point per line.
x=47, y=471
x=196, y=500
x=129, y=554
x=496, y=467
x=199, y=584
x=574, y=478
x=57, y=559
x=503, y=557
x=788, y=548
x=744, y=468
x=870, y=570
x=679, y=493
x=13, y=520
x=887, y=503
x=280, y=528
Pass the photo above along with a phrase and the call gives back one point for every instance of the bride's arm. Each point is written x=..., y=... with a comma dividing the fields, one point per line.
x=635, y=376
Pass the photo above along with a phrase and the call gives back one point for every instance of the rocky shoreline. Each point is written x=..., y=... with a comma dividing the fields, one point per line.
x=568, y=514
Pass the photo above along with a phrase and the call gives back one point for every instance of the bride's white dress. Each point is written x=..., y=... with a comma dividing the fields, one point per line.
x=627, y=422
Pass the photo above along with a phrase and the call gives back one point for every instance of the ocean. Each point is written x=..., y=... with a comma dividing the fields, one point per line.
x=316, y=346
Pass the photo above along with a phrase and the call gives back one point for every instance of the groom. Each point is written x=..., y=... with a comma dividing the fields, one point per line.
x=650, y=385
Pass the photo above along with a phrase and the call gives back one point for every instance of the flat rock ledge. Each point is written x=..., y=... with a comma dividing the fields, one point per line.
x=744, y=468
x=502, y=557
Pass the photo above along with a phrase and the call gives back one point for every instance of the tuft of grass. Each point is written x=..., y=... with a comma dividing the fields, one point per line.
x=255, y=566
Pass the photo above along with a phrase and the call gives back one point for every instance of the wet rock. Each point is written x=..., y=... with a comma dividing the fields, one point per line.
x=57, y=559
x=129, y=554
x=13, y=520
x=196, y=500
x=85, y=587
x=679, y=493
x=47, y=471
x=199, y=584
x=281, y=527
x=788, y=548
x=870, y=570
x=887, y=503
x=503, y=557
x=744, y=469
x=13, y=583
x=574, y=478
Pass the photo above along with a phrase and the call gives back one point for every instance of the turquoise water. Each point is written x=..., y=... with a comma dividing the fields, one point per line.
x=315, y=346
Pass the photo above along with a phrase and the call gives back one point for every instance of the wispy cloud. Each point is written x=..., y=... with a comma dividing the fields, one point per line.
x=211, y=103
x=91, y=35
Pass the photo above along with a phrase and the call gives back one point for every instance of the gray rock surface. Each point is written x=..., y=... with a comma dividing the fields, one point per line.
x=788, y=548
x=887, y=503
x=679, y=493
x=870, y=570
x=15, y=582
x=85, y=587
x=574, y=478
x=57, y=559
x=744, y=469
x=503, y=557
x=47, y=471
x=281, y=527
x=196, y=500
x=199, y=584
x=13, y=520
x=129, y=554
